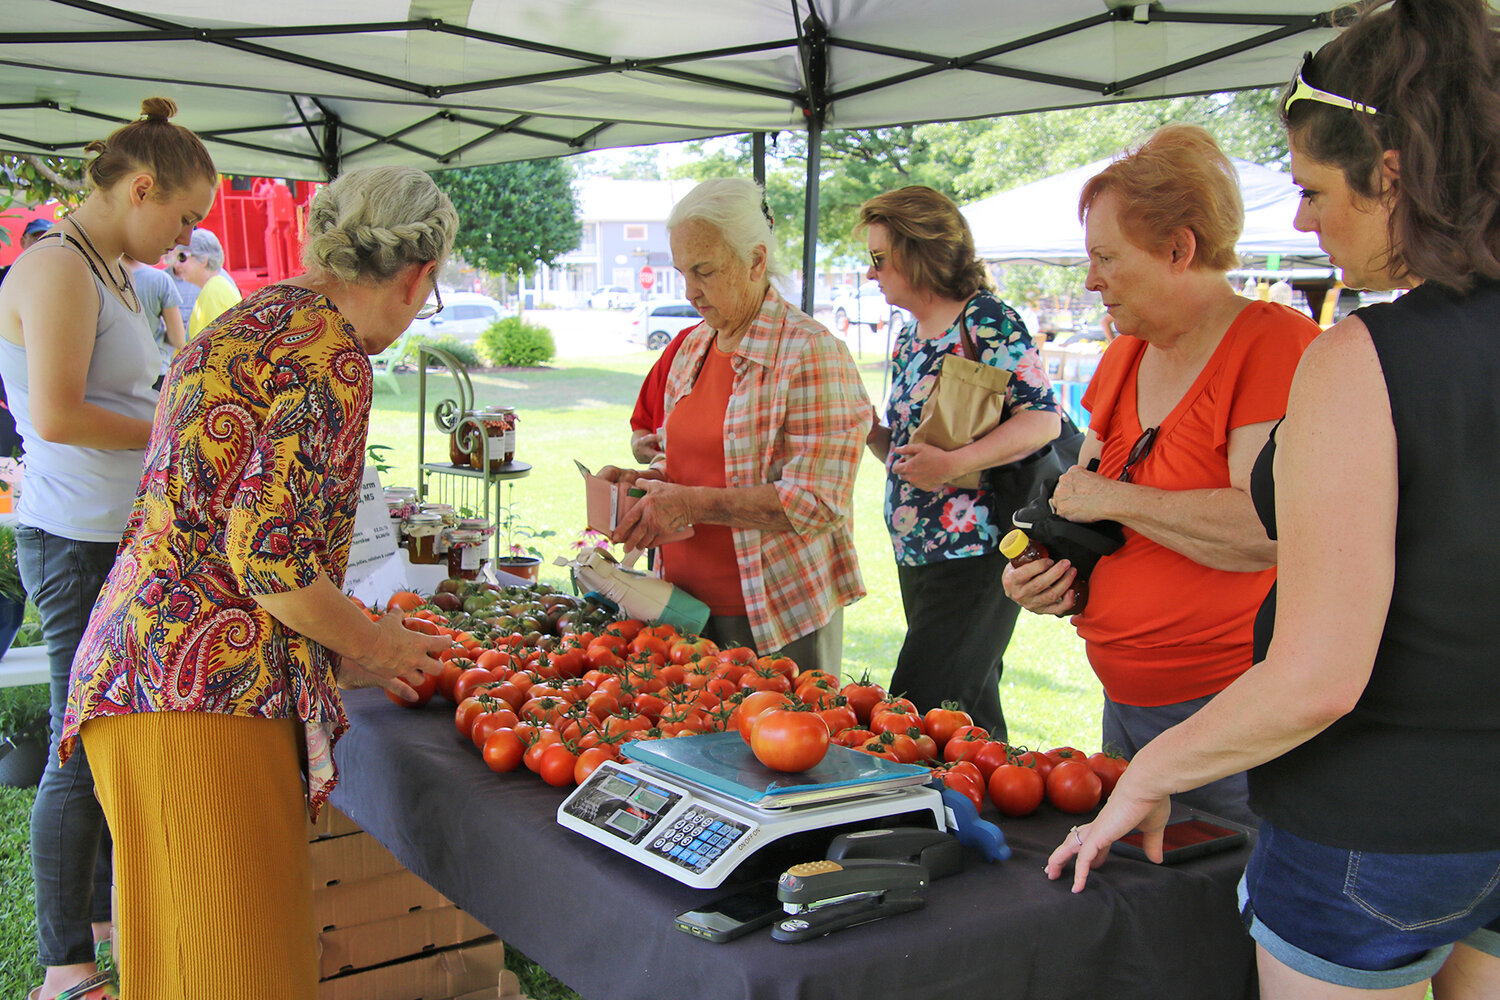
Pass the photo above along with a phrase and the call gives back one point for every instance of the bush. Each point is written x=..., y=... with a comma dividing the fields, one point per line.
x=462, y=351
x=513, y=343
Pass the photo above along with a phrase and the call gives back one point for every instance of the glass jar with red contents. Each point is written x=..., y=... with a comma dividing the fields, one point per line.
x=466, y=551
x=499, y=424
x=462, y=443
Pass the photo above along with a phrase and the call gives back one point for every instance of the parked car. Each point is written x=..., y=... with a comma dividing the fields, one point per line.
x=612, y=297
x=656, y=322
x=865, y=305
x=465, y=315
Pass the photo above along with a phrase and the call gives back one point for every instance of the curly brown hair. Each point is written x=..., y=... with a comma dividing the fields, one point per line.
x=931, y=242
x=1432, y=69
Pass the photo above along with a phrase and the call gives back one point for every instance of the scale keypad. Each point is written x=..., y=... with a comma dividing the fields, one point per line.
x=697, y=839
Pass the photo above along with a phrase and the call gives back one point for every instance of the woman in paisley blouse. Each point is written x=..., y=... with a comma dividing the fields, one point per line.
x=946, y=539
x=205, y=688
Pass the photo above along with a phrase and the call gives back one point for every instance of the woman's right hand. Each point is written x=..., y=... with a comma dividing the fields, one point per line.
x=1041, y=587
x=400, y=653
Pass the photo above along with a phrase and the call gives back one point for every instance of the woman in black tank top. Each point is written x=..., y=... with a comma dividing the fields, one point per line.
x=1379, y=645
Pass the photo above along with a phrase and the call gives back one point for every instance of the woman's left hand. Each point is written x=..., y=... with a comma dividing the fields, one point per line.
x=1126, y=810
x=1081, y=496
x=353, y=675
x=925, y=466
x=661, y=512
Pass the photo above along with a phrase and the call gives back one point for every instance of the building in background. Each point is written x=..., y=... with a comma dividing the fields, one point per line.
x=624, y=230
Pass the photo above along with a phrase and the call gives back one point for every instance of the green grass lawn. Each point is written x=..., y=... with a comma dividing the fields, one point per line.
x=581, y=409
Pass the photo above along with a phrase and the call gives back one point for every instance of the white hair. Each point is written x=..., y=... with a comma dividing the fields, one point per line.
x=370, y=223
x=736, y=208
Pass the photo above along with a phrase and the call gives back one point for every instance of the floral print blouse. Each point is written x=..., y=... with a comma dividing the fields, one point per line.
x=953, y=523
x=251, y=484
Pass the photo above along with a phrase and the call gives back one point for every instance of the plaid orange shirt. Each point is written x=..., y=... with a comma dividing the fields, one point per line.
x=797, y=418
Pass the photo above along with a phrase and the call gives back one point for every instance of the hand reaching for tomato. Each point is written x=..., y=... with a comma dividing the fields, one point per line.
x=1129, y=808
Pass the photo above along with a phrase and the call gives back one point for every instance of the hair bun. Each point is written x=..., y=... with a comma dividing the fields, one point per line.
x=158, y=109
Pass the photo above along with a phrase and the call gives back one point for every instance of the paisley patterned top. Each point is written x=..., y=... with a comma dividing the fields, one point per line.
x=250, y=487
x=953, y=523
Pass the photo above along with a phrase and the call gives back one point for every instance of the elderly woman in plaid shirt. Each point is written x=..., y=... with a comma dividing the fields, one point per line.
x=766, y=418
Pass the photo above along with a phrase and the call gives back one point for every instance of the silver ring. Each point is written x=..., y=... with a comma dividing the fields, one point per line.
x=1077, y=836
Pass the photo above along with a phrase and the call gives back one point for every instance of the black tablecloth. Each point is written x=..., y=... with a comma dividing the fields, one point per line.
x=602, y=923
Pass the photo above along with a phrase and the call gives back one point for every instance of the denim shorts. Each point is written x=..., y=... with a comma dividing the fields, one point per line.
x=1363, y=919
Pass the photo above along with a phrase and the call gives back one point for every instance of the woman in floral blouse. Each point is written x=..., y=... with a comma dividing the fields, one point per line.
x=205, y=689
x=946, y=539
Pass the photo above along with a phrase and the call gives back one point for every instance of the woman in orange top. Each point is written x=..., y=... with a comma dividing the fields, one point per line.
x=1180, y=406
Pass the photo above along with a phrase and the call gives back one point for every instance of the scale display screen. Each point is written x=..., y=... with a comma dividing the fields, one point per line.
x=623, y=804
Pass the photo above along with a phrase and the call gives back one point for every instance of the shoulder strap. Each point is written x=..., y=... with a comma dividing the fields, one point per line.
x=965, y=338
x=77, y=246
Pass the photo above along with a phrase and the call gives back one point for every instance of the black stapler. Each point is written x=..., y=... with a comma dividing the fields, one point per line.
x=825, y=896
x=935, y=850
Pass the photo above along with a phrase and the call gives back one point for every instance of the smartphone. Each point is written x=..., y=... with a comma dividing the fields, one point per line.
x=730, y=917
x=1183, y=839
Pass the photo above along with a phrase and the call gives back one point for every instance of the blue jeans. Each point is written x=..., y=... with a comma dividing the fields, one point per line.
x=1130, y=727
x=70, y=845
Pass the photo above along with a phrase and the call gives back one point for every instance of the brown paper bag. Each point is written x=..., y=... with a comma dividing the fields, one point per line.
x=967, y=402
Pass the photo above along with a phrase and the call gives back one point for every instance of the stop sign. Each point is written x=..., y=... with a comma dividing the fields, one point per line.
x=647, y=277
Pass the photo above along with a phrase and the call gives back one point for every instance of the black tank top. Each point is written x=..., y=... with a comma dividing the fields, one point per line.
x=1415, y=767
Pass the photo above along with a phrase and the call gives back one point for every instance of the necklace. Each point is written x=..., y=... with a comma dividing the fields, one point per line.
x=126, y=290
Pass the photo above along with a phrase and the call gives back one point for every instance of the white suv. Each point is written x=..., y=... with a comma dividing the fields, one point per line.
x=656, y=322
x=866, y=305
x=465, y=315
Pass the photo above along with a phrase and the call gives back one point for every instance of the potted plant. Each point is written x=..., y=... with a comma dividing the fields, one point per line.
x=12, y=592
x=23, y=735
x=519, y=556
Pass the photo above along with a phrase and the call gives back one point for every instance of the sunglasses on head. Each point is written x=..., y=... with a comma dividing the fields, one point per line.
x=1138, y=452
x=1304, y=91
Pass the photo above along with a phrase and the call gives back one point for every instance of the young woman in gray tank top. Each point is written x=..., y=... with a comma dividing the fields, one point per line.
x=79, y=362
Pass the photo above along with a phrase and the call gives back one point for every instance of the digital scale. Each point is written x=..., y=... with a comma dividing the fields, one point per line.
x=696, y=807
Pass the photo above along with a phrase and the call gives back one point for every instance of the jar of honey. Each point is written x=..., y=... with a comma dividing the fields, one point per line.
x=466, y=552
x=422, y=532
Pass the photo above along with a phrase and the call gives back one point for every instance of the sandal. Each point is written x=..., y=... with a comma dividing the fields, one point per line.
x=100, y=986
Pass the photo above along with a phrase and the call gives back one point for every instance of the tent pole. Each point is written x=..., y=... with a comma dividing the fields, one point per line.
x=810, y=213
x=332, y=145
x=812, y=48
x=758, y=157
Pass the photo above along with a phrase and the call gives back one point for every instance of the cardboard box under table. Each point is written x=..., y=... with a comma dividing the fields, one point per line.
x=1003, y=931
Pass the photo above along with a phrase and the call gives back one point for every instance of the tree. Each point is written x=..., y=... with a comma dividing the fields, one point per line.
x=34, y=179
x=512, y=215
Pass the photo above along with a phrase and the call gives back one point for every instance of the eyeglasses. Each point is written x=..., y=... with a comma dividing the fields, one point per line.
x=182, y=256
x=877, y=258
x=1138, y=452
x=1304, y=91
x=431, y=309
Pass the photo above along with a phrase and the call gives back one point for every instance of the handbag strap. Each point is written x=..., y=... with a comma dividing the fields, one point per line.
x=965, y=338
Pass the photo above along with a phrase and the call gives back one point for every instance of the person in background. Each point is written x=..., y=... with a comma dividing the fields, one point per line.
x=1180, y=405
x=947, y=539
x=11, y=445
x=159, y=300
x=201, y=264
x=187, y=292
x=78, y=359
x=766, y=415
x=650, y=405
x=205, y=689
x=1374, y=872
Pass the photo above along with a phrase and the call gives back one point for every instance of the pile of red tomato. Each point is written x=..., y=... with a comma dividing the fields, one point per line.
x=562, y=711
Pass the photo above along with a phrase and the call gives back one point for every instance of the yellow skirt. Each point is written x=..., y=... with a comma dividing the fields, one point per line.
x=214, y=891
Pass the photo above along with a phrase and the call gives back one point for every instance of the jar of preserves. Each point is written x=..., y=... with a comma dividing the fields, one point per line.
x=400, y=501
x=422, y=532
x=466, y=552
x=499, y=424
x=444, y=510
x=462, y=443
x=1018, y=547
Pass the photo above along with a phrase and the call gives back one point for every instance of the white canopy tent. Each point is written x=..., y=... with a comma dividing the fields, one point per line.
x=1038, y=222
x=306, y=88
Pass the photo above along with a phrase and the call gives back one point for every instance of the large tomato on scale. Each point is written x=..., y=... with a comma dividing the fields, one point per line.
x=788, y=740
